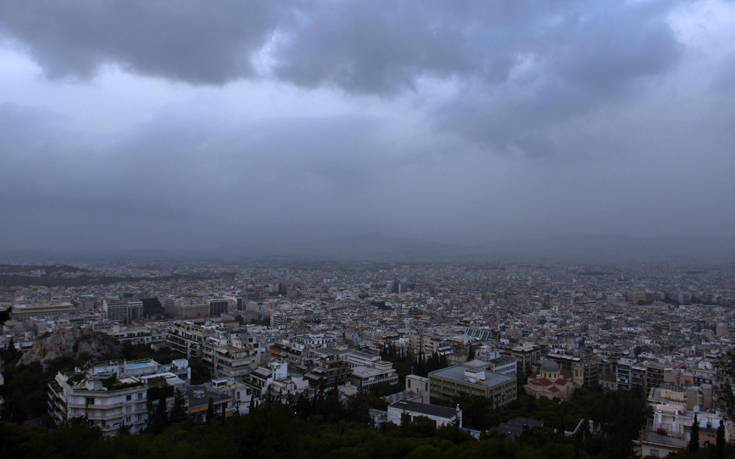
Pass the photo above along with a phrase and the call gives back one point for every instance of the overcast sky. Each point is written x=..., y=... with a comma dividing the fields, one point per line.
x=192, y=124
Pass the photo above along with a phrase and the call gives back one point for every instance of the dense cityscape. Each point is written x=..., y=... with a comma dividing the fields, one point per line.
x=463, y=345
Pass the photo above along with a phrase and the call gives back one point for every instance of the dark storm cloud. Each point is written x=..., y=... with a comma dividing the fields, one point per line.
x=519, y=67
x=582, y=63
x=362, y=46
x=372, y=47
x=191, y=40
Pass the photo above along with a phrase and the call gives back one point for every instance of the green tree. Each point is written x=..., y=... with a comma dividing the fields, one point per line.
x=694, y=439
x=157, y=417
x=210, y=410
x=726, y=395
x=178, y=412
x=200, y=371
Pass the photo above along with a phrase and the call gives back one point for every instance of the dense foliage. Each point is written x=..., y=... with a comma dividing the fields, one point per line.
x=407, y=363
x=619, y=415
x=726, y=394
x=321, y=428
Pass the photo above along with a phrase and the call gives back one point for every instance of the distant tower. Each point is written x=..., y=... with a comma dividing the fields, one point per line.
x=396, y=286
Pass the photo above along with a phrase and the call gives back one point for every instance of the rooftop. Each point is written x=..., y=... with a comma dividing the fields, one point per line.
x=425, y=408
x=457, y=373
x=366, y=372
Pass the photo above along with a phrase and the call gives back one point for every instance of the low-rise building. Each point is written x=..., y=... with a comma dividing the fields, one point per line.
x=446, y=383
x=329, y=372
x=410, y=411
x=26, y=311
x=417, y=387
x=366, y=377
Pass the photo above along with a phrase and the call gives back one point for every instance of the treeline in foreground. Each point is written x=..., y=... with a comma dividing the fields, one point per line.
x=278, y=430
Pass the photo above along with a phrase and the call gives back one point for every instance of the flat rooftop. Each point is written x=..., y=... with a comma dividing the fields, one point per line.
x=457, y=373
x=367, y=372
x=424, y=408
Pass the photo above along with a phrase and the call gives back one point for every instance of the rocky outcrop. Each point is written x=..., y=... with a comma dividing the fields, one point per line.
x=70, y=342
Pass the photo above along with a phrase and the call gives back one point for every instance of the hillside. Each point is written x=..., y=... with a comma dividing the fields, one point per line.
x=70, y=342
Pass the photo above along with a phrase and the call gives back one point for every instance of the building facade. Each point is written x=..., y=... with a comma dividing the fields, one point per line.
x=446, y=383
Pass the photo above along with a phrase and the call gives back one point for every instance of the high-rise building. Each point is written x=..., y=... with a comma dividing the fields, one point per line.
x=123, y=311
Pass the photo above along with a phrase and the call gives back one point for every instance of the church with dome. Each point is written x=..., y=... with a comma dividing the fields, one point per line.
x=552, y=382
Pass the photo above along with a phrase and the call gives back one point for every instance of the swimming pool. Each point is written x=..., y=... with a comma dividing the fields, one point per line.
x=138, y=365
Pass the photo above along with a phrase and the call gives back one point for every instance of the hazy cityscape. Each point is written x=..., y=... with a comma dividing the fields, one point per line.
x=426, y=229
x=268, y=330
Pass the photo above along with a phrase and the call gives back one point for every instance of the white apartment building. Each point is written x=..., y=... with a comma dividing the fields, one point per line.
x=366, y=377
x=112, y=395
x=106, y=404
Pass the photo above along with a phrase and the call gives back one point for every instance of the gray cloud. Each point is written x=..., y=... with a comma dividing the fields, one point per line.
x=374, y=47
x=520, y=67
x=193, y=41
x=187, y=176
x=474, y=122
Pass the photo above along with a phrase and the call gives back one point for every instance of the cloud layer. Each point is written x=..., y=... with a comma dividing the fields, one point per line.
x=160, y=124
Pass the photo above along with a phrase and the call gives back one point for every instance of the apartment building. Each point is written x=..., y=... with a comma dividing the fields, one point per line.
x=526, y=355
x=112, y=395
x=355, y=358
x=630, y=375
x=381, y=373
x=330, y=372
x=229, y=361
x=188, y=338
x=108, y=404
x=674, y=411
x=122, y=311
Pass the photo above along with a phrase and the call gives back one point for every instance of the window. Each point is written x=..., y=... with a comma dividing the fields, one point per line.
x=128, y=397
